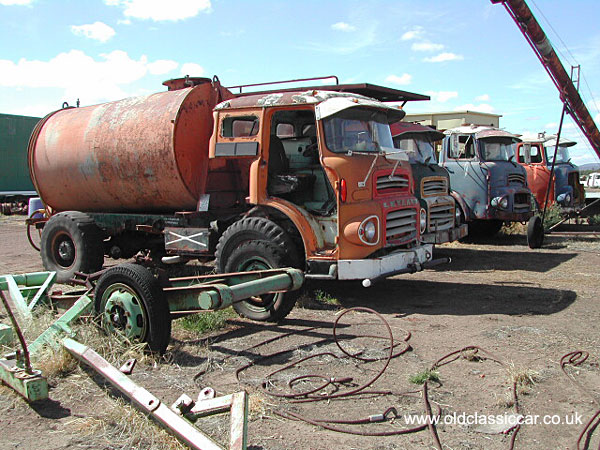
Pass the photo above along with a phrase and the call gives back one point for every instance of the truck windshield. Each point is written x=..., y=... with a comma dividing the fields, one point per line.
x=562, y=155
x=357, y=130
x=418, y=149
x=497, y=149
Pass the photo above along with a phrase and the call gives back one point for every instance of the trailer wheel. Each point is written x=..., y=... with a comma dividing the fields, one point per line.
x=255, y=229
x=71, y=242
x=261, y=255
x=535, y=232
x=129, y=300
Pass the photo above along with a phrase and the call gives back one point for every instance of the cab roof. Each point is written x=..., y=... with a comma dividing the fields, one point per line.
x=400, y=128
x=481, y=132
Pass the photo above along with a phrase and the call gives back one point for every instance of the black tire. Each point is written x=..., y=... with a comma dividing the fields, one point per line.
x=255, y=229
x=71, y=242
x=261, y=255
x=535, y=232
x=152, y=318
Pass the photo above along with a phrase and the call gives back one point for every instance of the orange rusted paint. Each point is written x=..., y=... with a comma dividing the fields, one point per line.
x=145, y=154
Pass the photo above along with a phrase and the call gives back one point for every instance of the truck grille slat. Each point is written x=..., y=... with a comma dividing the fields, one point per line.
x=516, y=178
x=441, y=217
x=434, y=186
x=521, y=201
x=385, y=182
x=401, y=225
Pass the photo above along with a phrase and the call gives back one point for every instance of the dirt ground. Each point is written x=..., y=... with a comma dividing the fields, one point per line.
x=526, y=307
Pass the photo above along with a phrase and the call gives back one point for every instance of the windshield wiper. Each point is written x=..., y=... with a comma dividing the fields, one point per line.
x=510, y=160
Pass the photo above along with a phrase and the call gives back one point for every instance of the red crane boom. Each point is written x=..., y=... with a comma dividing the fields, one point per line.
x=541, y=45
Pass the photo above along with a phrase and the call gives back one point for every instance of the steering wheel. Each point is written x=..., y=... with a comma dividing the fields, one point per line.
x=310, y=150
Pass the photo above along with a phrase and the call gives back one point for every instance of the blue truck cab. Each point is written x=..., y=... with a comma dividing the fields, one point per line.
x=489, y=186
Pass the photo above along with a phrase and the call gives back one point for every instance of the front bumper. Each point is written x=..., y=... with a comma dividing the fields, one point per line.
x=361, y=269
x=451, y=235
x=510, y=216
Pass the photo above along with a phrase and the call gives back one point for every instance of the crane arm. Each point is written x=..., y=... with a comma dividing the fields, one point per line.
x=541, y=45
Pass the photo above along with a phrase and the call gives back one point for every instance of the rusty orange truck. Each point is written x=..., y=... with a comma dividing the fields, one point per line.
x=301, y=177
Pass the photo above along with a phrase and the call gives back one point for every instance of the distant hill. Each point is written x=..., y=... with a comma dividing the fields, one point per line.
x=589, y=166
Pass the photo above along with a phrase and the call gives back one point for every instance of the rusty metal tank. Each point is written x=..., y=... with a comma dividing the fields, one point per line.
x=143, y=154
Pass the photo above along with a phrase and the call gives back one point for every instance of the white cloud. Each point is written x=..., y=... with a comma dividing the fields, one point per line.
x=551, y=126
x=442, y=96
x=159, y=10
x=442, y=57
x=16, y=2
x=192, y=69
x=426, y=47
x=81, y=76
x=98, y=31
x=482, y=107
x=162, y=66
x=482, y=98
x=343, y=26
x=597, y=119
x=402, y=80
x=415, y=33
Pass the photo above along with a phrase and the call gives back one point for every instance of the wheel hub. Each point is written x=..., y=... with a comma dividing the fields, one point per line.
x=66, y=250
x=123, y=312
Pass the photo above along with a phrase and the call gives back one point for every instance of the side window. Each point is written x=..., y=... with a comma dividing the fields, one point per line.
x=284, y=130
x=535, y=154
x=240, y=126
x=461, y=147
x=525, y=153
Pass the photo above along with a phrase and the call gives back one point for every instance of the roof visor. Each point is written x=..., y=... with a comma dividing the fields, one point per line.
x=334, y=105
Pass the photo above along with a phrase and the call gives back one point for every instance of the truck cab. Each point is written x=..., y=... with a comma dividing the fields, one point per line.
x=439, y=218
x=322, y=165
x=536, y=156
x=491, y=186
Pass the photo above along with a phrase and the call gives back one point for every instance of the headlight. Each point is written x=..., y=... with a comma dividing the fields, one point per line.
x=368, y=230
x=500, y=202
x=564, y=199
x=423, y=220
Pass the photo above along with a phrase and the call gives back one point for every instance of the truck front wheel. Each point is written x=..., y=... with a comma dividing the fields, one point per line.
x=261, y=255
x=71, y=242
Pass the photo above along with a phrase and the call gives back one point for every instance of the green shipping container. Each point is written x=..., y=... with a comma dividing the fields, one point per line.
x=14, y=138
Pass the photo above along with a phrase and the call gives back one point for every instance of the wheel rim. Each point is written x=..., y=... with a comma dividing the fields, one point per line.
x=263, y=302
x=123, y=312
x=63, y=250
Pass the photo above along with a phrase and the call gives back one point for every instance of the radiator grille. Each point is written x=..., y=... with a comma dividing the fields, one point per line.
x=516, y=178
x=441, y=217
x=522, y=201
x=386, y=183
x=434, y=186
x=401, y=225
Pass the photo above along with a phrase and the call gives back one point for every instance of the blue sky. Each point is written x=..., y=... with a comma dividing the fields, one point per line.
x=465, y=54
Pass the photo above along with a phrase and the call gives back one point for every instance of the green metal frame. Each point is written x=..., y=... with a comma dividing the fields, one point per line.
x=148, y=403
x=28, y=290
x=221, y=290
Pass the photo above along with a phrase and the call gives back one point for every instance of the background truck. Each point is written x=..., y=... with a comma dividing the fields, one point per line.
x=440, y=219
x=536, y=156
x=491, y=186
x=306, y=178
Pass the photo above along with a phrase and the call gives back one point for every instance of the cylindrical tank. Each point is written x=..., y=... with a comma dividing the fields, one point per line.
x=143, y=154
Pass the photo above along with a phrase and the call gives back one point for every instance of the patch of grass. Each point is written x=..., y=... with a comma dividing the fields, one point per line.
x=523, y=377
x=421, y=377
x=594, y=220
x=205, y=322
x=553, y=216
x=125, y=426
x=324, y=297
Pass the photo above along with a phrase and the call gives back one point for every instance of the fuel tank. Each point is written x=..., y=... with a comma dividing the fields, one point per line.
x=142, y=154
